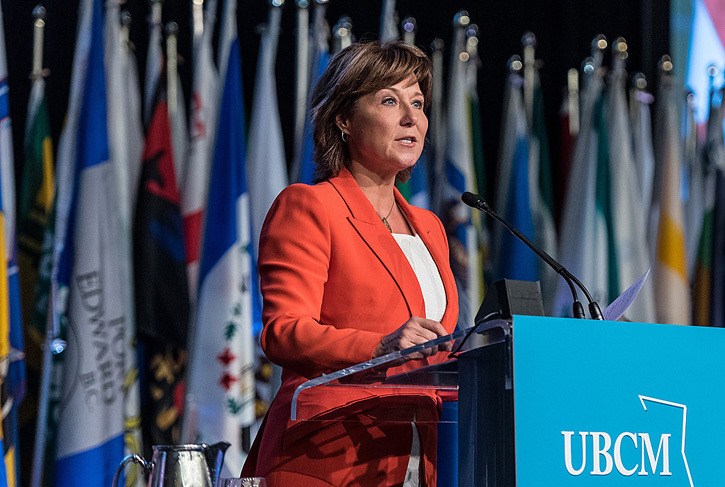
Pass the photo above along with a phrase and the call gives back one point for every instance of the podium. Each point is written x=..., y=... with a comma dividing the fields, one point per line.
x=480, y=378
x=556, y=401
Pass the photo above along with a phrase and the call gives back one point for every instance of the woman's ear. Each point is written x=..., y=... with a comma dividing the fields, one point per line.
x=342, y=123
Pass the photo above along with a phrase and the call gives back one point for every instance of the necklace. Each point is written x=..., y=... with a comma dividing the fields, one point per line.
x=384, y=219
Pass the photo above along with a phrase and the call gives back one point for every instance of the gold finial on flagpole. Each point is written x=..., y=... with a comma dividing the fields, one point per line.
x=461, y=19
x=342, y=33
x=639, y=81
x=619, y=57
x=599, y=42
x=460, y=22
x=39, y=14
x=620, y=47
x=514, y=64
x=599, y=46
x=665, y=64
x=666, y=70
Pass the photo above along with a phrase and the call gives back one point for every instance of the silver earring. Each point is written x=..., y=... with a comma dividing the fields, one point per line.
x=343, y=135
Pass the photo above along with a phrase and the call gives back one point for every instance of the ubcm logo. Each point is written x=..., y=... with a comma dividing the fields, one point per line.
x=627, y=453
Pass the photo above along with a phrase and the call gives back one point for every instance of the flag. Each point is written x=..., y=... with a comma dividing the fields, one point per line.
x=582, y=238
x=437, y=130
x=644, y=157
x=671, y=283
x=177, y=113
x=265, y=157
x=320, y=60
x=34, y=212
x=91, y=422
x=36, y=192
x=265, y=153
x=717, y=313
x=514, y=260
x=568, y=130
x=459, y=177
x=542, y=192
x=388, y=22
x=5, y=469
x=221, y=380
x=14, y=382
x=628, y=221
x=693, y=176
x=713, y=158
x=304, y=50
x=161, y=290
x=204, y=106
x=48, y=295
x=125, y=144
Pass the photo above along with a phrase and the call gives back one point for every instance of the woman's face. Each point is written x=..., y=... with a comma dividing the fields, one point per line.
x=386, y=130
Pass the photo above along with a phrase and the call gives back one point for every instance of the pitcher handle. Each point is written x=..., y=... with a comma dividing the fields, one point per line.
x=131, y=459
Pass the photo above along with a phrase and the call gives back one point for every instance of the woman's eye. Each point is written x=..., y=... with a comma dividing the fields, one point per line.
x=389, y=101
x=417, y=104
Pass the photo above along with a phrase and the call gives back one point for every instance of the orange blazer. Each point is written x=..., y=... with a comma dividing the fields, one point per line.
x=334, y=282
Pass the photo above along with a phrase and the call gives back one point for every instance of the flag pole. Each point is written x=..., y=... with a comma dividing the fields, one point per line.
x=342, y=33
x=152, y=59
x=436, y=123
x=599, y=45
x=619, y=54
x=472, y=46
x=388, y=27
x=52, y=344
x=572, y=100
x=39, y=14
x=124, y=31
x=172, y=30
x=529, y=44
x=302, y=79
x=409, y=27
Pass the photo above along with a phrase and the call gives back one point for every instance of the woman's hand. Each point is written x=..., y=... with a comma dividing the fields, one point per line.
x=413, y=332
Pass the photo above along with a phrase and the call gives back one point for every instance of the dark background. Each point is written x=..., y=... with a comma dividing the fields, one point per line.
x=564, y=30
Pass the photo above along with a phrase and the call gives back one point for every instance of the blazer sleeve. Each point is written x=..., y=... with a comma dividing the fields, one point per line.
x=294, y=257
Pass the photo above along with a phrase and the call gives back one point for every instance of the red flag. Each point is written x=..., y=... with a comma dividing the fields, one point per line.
x=162, y=299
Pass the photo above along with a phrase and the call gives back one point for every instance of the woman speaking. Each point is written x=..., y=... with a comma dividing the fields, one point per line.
x=350, y=271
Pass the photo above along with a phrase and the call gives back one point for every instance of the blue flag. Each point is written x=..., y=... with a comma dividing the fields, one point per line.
x=221, y=392
x=91, y=422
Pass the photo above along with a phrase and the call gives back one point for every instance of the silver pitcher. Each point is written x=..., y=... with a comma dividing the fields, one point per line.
x=180, y=465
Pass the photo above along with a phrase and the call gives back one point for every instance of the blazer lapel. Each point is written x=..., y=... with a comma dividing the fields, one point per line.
x=377, y=237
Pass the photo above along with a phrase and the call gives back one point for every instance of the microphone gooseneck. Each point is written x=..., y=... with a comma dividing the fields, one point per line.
x=475, y=201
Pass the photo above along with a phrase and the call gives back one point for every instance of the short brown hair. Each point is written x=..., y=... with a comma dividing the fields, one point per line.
x=359, y=69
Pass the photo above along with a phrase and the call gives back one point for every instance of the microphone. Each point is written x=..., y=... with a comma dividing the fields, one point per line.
x=475, y=201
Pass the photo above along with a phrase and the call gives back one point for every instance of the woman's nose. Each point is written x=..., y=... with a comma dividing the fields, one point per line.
x=409, y=116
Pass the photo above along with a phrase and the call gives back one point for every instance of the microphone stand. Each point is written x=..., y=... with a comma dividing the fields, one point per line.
x=475, y=201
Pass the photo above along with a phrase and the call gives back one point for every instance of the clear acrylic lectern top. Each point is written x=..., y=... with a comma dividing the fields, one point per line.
x=396, y=378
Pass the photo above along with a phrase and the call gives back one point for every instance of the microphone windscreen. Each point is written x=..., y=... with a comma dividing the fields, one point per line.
x=471, y=199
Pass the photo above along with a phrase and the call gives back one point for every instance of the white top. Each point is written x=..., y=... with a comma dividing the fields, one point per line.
x=434, y=295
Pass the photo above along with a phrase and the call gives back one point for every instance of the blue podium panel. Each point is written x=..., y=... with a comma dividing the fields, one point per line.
x=599, y=403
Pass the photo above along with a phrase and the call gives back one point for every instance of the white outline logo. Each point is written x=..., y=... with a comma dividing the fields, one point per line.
x=644, y=399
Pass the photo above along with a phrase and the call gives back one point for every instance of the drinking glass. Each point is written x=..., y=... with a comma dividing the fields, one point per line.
x=242, y=482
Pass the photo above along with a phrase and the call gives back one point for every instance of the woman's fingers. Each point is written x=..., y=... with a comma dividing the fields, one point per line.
x=413, y=332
